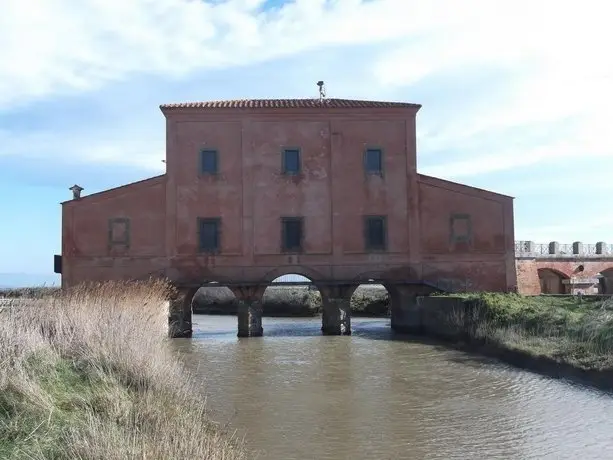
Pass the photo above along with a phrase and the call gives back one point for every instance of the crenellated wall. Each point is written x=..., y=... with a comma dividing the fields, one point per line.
x=555, y=268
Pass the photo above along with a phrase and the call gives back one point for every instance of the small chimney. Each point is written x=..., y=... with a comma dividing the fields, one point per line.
x=76, y=191
x=322, y=90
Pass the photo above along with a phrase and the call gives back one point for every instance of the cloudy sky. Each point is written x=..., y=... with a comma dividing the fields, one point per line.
x=517, y=95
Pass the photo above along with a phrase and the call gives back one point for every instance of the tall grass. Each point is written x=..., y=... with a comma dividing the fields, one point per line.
x=568, y=329
x=88, y=375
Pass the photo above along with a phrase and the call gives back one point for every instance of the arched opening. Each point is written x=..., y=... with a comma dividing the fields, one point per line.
x=605, y=281
x=211, y=299
x=291, y=295
x=552, y=281
x=371, y=301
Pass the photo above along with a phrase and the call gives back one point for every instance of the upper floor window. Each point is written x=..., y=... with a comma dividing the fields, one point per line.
x=292, y=234
x=209, y=163
x=291, y=161
x=460, y=228
x=119, y=232
x=375, y=233
x=373, y=161
x=209, y=234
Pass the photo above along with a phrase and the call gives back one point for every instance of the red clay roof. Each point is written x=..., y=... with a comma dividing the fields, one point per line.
x=290, y=104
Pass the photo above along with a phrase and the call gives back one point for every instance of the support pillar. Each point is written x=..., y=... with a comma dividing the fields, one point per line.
x=405, y=313
x=249, y=310
x=250, y=318
x=336, y=315
x=180, y=313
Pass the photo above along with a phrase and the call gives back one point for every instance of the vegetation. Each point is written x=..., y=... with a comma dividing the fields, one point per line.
x=292, y=301
x=88, y=375
x=572, y=330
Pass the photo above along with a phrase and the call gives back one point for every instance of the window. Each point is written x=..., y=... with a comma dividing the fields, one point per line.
x=119, y=232
x=208, y=234
x=375, y=233
x=208, y=161
x=373, y=161
x=292, y=234
x=460, y=228
x=291, y=161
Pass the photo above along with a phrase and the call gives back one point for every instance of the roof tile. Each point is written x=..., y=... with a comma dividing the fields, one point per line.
x=289, y=104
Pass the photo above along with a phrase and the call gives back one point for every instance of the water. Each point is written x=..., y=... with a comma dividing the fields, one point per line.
x=295, y=394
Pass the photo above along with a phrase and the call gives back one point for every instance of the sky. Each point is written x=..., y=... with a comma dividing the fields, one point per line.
x=517, y=96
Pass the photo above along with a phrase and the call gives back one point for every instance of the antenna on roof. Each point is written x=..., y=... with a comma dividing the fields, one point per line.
x=322, y=90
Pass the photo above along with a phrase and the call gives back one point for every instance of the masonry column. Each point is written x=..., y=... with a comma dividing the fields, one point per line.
x=336, y=315
x=180, y=313
x=404, y=311
x=249, y=300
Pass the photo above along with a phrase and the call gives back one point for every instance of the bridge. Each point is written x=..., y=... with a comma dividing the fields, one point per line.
x=554, y=268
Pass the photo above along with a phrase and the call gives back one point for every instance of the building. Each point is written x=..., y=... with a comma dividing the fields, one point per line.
x=327, y=188
x=554, y=268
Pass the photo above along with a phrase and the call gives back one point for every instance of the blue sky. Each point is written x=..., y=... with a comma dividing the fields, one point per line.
x=517, y=96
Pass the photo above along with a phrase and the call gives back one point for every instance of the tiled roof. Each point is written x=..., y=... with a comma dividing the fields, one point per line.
x=289, y=104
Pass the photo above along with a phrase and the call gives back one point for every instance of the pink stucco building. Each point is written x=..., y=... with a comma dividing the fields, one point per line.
x=255, y=189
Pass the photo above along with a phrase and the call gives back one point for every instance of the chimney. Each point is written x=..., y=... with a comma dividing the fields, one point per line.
x=76, y=191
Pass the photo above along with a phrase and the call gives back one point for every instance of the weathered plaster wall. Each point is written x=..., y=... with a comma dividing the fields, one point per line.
x=332, y=193
x=86, y=252
x=475, y=253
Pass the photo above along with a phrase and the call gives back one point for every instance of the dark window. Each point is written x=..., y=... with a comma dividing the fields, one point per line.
x=208, y=161
x=375, y=232
x=208, y=234
x=374, y=161
x=291, y=161
x=292, y=233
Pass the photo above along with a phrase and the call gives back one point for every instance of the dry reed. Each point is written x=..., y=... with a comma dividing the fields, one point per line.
x=87, y=374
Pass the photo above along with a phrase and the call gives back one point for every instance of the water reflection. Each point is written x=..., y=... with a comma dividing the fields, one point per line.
x=296, y=394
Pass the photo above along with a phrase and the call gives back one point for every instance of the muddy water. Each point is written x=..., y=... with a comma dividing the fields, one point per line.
x=295, y=394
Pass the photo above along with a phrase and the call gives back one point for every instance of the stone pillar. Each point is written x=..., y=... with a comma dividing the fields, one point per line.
x=336, y=314
x=180, y=313
x=405, y=313
x=249, y=299
x=577, y=247
x=336, y=317
x=250, y=318
x=601, y=247
x=554, y=247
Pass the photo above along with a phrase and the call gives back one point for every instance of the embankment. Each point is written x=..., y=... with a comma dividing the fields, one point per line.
x=89, y=374
x=560, y=336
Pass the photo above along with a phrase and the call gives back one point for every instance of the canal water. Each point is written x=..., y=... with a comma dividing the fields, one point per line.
x=295, y=394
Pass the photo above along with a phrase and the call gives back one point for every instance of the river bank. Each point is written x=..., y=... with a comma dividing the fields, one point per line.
x=89, y=375
x=559, y=336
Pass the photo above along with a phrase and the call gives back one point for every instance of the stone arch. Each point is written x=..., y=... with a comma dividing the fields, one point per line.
x=551, y=281
x=313, y=275
x=404, y=273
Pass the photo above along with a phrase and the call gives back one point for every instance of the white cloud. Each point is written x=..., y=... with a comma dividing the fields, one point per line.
x=556, y=54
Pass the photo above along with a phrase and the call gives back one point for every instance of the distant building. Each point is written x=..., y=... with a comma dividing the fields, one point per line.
x=255, y=189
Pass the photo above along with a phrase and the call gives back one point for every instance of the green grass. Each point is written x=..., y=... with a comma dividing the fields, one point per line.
x=567, y=329
x=89, y=375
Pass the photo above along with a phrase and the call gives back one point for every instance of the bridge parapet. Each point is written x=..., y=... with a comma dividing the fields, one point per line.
x=553, y=249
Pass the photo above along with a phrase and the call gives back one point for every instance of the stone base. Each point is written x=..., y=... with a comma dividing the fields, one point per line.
x=336, y=317
x=180, y=316
x=405, y=314
x=250, y=319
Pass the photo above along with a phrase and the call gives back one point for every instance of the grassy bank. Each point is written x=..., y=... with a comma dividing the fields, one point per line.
x=88, y=375
x=564, y=330
x=292, y=301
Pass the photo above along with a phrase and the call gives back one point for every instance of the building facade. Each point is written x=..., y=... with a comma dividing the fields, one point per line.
x=256, y=189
